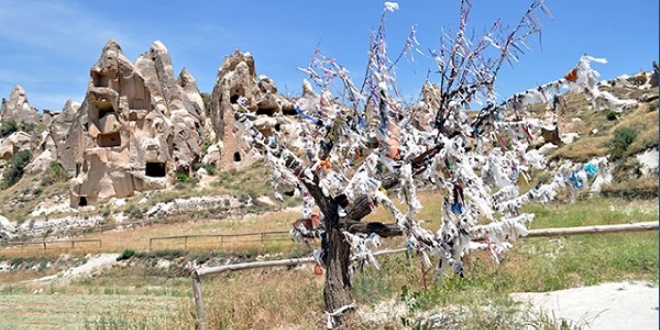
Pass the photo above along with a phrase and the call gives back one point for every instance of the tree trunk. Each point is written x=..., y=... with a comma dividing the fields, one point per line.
x=337, y=291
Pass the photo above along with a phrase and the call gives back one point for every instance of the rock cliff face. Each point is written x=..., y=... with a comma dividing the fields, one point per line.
x=17, y=107
x=236, y=79
x=135, y=130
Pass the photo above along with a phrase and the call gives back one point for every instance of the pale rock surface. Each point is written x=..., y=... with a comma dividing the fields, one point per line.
x=136, y=128
x=59, y=128
x=14, y=143
x=237, y=78
x=40, y=163
x=18, y=108
x=649, y=161
x=7, y=229
x=609, y=306
x=567, y=138
x=547, y=148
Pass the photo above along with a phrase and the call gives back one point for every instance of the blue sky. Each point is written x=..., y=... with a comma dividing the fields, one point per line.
x=48, y=47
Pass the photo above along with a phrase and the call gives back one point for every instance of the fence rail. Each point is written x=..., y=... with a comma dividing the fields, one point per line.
x=546, y=232
x=261, y=237
x=46, y=243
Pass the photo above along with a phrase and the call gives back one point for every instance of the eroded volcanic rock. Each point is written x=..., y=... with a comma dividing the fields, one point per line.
x=136, y=129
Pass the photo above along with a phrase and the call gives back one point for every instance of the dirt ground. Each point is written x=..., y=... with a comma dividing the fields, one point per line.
x=610, y=306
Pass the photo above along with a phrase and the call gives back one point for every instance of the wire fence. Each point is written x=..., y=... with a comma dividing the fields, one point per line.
x=45, y=244
x=221, y=240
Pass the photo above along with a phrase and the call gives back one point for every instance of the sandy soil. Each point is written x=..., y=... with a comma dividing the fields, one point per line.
x=610, y=306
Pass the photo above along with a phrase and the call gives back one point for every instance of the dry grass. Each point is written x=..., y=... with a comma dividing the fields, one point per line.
x=281, y=298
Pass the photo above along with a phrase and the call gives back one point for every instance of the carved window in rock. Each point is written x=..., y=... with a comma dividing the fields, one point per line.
x=82, y=201
x=105, y=108
x=101, y=80
x=109, y=140
x=155, y=170
x=237, y=156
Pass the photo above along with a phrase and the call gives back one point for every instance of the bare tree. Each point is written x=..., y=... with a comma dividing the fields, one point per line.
x=363, y=144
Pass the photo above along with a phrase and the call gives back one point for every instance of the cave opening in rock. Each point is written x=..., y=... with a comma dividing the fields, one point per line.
x=268, y=112
x=289, y=112
x=100, y=80
x=237, y=156
x=278, y=127
x=82, y=201
x=109, y=140
x=106, y=110
x=155, y=170
x=234, y=99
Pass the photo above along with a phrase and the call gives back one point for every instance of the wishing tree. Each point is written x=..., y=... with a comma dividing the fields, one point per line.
x=364, y=145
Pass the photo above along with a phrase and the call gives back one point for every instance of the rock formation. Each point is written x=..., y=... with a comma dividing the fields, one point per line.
x=135, y=129
x=18, y=108
x=237, y=78
x=14, y=143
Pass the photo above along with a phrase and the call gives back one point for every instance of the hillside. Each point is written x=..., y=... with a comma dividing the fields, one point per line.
x=39, y=204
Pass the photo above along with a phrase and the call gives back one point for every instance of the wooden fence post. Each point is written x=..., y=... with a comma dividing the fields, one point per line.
x=199, y=302
x=150, y=240
x=185, y=243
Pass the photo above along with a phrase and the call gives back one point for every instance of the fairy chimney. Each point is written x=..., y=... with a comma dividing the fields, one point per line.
x=17, y=108
x=237, y=78
x=134, y=131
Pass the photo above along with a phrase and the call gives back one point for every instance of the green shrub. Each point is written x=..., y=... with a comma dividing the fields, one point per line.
x=126, y=254
x=182, y=177
x=15, y=169
x=611, y=116
x=26, y=126
x=209, y=168
x=134, y=211
x=623, y=137
x=8, y=127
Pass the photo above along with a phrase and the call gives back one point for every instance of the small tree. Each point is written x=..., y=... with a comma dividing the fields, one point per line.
x=370, y=145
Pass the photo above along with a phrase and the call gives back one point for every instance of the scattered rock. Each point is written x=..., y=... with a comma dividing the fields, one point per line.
x=547, y=148
x=569, y=137
x=649, y=161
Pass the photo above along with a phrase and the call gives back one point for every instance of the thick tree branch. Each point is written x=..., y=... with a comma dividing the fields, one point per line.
x=382, y=229
x=360, y=208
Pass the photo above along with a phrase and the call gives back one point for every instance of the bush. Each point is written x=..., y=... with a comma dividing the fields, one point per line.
x=182, y=177
x=623, y=137
x=209, y=168
x=126, y=254
x=134, y=212
x=8, y=127
x=54, y=173
x=15, y=169
x=27, y=126
x=611, y=116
